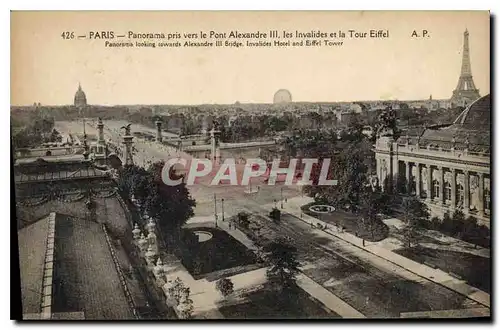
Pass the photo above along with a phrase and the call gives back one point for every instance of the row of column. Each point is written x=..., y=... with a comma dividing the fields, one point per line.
x=441, y=183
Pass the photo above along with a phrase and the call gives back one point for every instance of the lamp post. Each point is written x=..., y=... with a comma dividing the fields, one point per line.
x=222, y=200
x=215, y=209
x=282, y=197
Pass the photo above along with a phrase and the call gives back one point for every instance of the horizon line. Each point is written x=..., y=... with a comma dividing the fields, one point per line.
x=237, y=103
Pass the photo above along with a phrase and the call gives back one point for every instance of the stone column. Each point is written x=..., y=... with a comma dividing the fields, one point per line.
x=159, y=271
x=127, y=151
x=215, y=142
x=100, y=130
x=408, y=178
x=152, y=239
x=417, y=180
x=441, y=185
x=429, y=183
x=143, y=243
x=150, y=257
x=158, y=131
x=480, y=206
x=136, y=232
x=378, y=162
x=466, y=192
x=453, y=188
x=395, y=174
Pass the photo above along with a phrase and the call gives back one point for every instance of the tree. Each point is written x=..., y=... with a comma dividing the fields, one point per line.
x=458, y=221
x=225, y=286
x=185, y=306
x=243, y=219
x=414, y=214
x=55, y=136
x=387, y=123
x=33, y=132
x=373, y=202
x=435, y=223
x=134, y=181
x=176, y=289
x=447, y=224
x=284, y=267
x=275, y=214
x=470, y=230
x=349, y=169
x=171, y=206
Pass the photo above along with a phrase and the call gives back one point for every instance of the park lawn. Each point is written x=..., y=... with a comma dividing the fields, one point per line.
x=267, y=304
x=220, y=252
x=351, y=223
x=474, y=269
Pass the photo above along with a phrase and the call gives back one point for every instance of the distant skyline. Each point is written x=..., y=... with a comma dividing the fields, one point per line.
x=47, y=69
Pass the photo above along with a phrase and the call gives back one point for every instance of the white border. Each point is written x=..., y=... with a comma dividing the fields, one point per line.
x=200, y=5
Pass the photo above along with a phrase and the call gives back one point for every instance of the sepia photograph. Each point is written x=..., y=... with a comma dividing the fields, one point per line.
x=251, y=165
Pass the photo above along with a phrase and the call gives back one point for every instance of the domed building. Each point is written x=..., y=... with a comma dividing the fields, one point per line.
x=80, y=98
x=448, y=167
x=282, y=96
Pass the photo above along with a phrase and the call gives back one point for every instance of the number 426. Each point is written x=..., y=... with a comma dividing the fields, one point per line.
x=68, y=35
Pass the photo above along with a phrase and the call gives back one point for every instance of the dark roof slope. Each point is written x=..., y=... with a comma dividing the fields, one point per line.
x=32, y=245
x=85, y=277
x=470, y=130
x=477, y=116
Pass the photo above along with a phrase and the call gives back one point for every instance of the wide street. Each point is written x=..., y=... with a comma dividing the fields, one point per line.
x=370, y=284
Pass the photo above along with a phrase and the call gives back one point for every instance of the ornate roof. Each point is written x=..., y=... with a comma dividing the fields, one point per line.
x=476, y=116
x=80, y=97
x=471, y=130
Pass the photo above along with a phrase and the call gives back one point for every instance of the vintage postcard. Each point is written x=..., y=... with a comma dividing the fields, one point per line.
x=251, y=165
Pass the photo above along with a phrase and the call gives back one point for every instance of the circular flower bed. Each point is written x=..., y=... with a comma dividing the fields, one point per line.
x=322, y=209
x=203, y=236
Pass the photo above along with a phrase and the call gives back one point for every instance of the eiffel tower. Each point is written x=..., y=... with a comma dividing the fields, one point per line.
x=465, y=92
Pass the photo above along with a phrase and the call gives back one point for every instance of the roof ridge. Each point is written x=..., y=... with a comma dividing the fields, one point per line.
x=48, y=269
x=461, y=117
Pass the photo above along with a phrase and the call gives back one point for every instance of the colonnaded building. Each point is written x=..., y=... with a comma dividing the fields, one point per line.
x=448, y=167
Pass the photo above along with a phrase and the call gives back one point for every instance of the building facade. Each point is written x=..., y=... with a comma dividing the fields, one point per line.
x=447, y=167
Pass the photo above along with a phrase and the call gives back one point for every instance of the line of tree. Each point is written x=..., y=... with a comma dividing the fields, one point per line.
x=170, y=206
x=33, y=133
x=283, y=266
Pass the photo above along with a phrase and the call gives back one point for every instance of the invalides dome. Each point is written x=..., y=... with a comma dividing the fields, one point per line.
x=80, y=98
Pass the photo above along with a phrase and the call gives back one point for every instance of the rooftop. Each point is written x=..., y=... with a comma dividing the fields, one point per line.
x=43, y=169
x=471, y=130
x=84, y=275
x=32, y=246
x=477, y=116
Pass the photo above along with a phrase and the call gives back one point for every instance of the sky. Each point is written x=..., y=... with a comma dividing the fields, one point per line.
x=46, y=68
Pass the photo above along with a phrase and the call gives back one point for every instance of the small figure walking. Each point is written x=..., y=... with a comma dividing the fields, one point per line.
x=363, y=242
